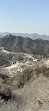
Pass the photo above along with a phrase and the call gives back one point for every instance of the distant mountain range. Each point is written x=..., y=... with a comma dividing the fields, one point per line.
x=25, y=45
x=32, y=36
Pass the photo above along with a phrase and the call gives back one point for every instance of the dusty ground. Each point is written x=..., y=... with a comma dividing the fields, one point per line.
x=34, y=96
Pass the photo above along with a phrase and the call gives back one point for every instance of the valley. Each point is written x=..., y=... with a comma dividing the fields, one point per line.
x=24, y=77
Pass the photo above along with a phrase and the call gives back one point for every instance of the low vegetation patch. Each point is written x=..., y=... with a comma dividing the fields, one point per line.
x=8, y=81
x=5, y=93
x=29, y=73
x=40, y=70
x=26, y=75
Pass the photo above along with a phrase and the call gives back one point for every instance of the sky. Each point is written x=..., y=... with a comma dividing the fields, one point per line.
x=24, y=16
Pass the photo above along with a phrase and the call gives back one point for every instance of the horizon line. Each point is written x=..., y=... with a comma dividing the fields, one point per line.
x=26, y=33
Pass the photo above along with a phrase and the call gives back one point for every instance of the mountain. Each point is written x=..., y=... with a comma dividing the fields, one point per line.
x=3, y=34
x=32, y=36
x=26, y=45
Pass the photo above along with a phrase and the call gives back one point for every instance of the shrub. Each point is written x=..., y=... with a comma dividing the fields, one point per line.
x=21, y=84
x=26, y=75
x=5, y=93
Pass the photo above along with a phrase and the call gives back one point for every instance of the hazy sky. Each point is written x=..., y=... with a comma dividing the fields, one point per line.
x=28, y=16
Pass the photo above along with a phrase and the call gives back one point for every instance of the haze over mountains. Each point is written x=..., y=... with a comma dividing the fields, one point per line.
x=32, y=36
x=25, y=45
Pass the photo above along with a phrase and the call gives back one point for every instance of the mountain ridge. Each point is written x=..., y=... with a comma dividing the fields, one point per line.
x=25, y=45
x=32, y=36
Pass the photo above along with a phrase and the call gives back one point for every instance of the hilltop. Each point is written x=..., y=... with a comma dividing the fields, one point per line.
x=32, y=36
x=25, y=45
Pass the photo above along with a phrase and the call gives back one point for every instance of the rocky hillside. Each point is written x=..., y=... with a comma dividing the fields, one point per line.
x=26, y=92
x=32, y=36
x=27, y=45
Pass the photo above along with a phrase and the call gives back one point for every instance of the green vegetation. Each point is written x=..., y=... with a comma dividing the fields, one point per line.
x=29, y=73
x=40, y=70
x=46, y=73
x=26, y=75
x=21, y=84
